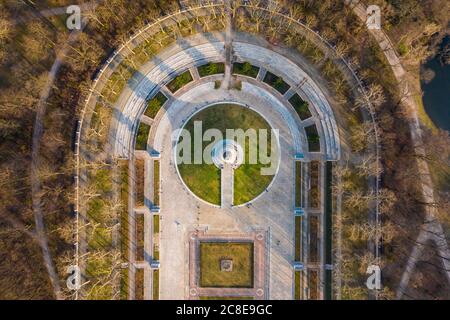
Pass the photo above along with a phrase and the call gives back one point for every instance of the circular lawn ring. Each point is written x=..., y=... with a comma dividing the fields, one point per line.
x=203, y=179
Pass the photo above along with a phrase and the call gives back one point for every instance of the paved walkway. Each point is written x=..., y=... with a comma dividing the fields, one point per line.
x=227, y=176
x=226, y=83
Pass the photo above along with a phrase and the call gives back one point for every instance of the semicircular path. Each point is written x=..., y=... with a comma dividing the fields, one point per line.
x=160, y=72
x=182, y=108
x=150, y=84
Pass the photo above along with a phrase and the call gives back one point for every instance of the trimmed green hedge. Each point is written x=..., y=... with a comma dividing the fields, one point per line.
x=155, y=104
x=300, y=106
x=313, y=138
x=276, y=82
x=180, y=81
x=245, y=69
x=156, y=179
x=142, y=136
x=211, y=68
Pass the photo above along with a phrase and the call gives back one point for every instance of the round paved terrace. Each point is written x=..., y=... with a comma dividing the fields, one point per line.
x=182, y=212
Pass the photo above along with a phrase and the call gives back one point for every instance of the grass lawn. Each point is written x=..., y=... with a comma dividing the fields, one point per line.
x=103, y=181
x=99, y=292
x=204, y=179
x=155, y=236
x=142, y=136
x=117, y=82
x=277, y=82
x=155, y=284
x=156, y=178
x=155, y=104
x=298, y=183
x=101, y=238
x=155, y=252
x=300, y=106
x=180, y=81
x=210, y=69
x=96, y=208
x=246, y=187
x=211, y=254
x=156, y=224
x=245, y=69
x=297, y=284
x=97, y=268
x=298, y=238
x=440, y=176
x=423, y=115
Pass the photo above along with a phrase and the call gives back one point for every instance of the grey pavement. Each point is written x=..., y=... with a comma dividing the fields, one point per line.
x=227, y=185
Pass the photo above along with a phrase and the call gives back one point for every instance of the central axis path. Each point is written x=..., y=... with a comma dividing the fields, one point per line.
x=227, y=176
x=228, y=46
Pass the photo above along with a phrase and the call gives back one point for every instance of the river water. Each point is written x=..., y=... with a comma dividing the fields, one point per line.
x=436, y=96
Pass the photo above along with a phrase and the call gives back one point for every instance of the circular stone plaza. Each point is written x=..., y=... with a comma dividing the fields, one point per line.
x=224, y=228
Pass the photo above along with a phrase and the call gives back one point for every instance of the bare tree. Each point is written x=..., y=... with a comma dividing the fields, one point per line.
x=369, y=166
x=342, y=48
x=387, y=200
x=357, y=200
x=374, y=94
x=87, y=52
x=362, y=136
x=5, y=30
